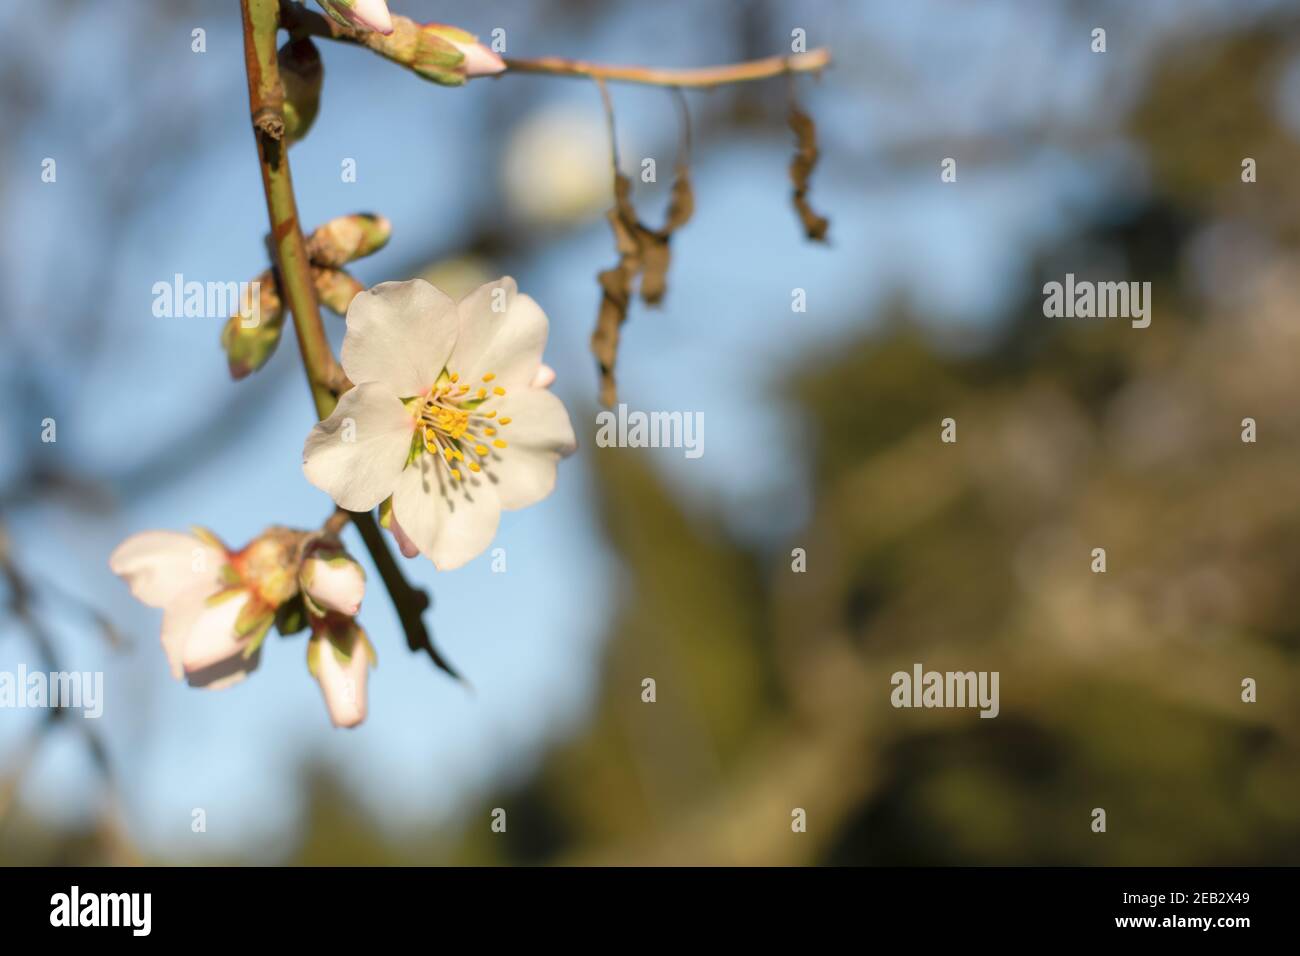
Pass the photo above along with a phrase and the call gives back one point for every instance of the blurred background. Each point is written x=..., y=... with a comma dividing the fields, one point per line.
x=1119, y=690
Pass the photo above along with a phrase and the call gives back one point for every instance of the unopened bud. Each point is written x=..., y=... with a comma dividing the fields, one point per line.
x=331, y=579
x=301, y=73
x=339, y=656
x=251, y=336
x=336, y=289
x=478, y=59
x=360, y=14
x=346, y=238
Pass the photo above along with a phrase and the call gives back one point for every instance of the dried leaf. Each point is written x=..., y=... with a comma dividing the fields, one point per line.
x=655, y=254
x=642, y=252
x=801, y=167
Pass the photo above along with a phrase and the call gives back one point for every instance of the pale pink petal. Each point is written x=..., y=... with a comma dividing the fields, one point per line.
x=502, y=333
x=404, y=544
x=450, y=522
x=538, y=436
x=211, y=639
x=357, y=453
x=544, y=378
x=225, y=673
x=178, y=620
x=164, y=566
x=401, y=334
x=479, y=60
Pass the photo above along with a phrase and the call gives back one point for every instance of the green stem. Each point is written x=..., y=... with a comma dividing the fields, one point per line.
x=266, y=99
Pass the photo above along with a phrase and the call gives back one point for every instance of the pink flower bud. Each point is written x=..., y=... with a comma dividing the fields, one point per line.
x=479, y=60
x=339, y=658
x=360, y=14
x=332, y=579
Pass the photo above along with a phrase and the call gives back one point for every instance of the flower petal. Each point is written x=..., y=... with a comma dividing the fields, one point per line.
x=225, y=673
x=357, y=453
x=165, y=566
x=506, y=341
x=404, y=544
x=450, y=522
x=178, y=620
x=401, y=334
x=538, y=436
x=211, y=638
x=544, y=378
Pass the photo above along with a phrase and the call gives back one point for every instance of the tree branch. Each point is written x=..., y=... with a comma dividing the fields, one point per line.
x=399, y=48
x=702, y=77
x=261, y=20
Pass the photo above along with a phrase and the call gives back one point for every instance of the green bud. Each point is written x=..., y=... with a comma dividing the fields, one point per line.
x=438, y=59
x=250, y=337
x=301, y=73
x=336, y=289
x=346, y=238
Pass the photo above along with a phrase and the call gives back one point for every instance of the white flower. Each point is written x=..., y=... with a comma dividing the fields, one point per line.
x=339, y=656
x=189, y=576
x=360, y=14
x=446, y=414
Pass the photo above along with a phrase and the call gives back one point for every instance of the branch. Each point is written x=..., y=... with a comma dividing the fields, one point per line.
x=399, y=47
x=265, y=99
x=702, y=77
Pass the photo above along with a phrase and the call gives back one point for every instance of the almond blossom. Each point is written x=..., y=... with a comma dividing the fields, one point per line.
x=217, y=604
x=449, y=414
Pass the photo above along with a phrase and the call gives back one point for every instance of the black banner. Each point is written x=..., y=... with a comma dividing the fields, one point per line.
x=335, y=905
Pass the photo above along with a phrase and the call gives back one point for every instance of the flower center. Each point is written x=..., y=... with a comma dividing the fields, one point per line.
x=458, y=422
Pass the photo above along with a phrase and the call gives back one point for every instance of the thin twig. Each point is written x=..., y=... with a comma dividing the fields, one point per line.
x=303, y=22
x=702, y=77
x=261, y=20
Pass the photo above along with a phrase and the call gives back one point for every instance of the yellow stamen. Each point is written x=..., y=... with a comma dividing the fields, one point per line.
x=504, y=421
x=473, y=466
x=489, y=432
x=455, y=377
x=489, y=376
x=480, y=450
x=499, y=443
x=499, y=390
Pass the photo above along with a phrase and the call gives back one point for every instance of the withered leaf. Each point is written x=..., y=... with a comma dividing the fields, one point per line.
x=642, y=252
x=616, y=293
x=801, y=167
x=654, y=243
